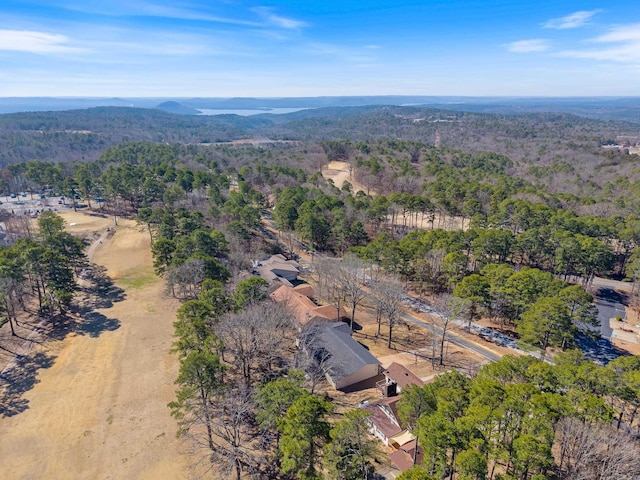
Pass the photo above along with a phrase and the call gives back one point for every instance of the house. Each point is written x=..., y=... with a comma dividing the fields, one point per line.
x=396, y=378
x=383, y=419
x=384, y=424
x=345, y=361
x=278, y=268
x=299, y=300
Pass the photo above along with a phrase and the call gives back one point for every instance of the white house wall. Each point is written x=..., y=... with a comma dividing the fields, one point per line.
x=366, y=372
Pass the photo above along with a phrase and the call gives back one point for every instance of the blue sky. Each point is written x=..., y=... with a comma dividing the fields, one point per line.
x=225, y=48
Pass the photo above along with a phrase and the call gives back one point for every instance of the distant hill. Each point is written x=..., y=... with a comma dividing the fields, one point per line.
x=84, y=134
x=175, y=107
x=605, y=108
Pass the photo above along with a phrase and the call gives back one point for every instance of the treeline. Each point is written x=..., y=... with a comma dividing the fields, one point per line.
x=541, y=234
x=477, y=190
x=521, y=418
x=519, y=232
x=81, y=135
x=421, y=253
x=555, y=151
x=478, y=181
x=44, y=266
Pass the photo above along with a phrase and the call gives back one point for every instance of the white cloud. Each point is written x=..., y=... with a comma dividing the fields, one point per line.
x=621, y=33
x=36, y=42
x=528, y=46
x=118, y=8
x=575, y=20
x=620, y=44
x=277, y=20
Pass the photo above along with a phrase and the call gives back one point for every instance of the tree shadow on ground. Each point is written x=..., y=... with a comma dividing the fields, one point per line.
x=356, y=326
x=87, y=322
x=17, y=380
x=600, y=351
x=98, y=290
x=95, y=323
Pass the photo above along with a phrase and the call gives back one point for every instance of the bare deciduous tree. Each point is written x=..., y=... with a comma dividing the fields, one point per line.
x=256, y=338
x=184, y=281
x=11, y=293
x=323, y=268
x=237, y=449
x=313, y=358
x=387, y=296
x=449, y=308
x=588, y=451
x=351, y=275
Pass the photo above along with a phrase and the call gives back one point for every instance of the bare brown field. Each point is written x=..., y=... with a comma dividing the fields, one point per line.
x=94, y=400
x=338, y=172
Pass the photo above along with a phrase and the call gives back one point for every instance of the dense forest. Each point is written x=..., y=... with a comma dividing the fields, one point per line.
x=534, y=138
x=508, y=218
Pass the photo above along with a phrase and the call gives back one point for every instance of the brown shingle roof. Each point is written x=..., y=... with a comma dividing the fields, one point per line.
x=304, y=289
x=300, y=304
x=403, y=457
x=402, y=375
x=382, y=422
x=329, y=313
x=303, y=307
x=384, y=415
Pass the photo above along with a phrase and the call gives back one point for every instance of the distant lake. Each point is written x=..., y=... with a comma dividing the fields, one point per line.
x=249, y=112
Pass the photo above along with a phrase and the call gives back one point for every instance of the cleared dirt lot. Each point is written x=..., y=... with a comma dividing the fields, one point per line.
x=340, y=172
x=93, y=398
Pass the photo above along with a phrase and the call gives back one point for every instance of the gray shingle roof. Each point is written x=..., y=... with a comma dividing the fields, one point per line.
x=345, y=355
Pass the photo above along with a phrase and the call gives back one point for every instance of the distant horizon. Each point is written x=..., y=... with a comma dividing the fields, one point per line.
x=261, y=97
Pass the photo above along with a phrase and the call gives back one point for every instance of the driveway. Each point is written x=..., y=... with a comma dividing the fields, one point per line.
x=610, y=304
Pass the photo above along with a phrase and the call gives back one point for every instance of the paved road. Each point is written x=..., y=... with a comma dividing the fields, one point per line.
x=605, y=282
x=455, y=339
x=608, y=301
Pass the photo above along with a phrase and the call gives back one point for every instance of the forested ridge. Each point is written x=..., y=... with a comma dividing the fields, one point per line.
x=511, y=219
x=82, y=134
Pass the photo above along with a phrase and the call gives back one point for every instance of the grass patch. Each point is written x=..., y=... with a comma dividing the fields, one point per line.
x=138, y=278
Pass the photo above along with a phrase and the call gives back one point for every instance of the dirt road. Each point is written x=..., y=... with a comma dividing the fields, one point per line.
x=97, y=406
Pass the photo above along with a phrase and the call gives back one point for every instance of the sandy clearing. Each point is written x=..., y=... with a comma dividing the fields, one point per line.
x=433, y=221
x=339, y=172
x=99, y=411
